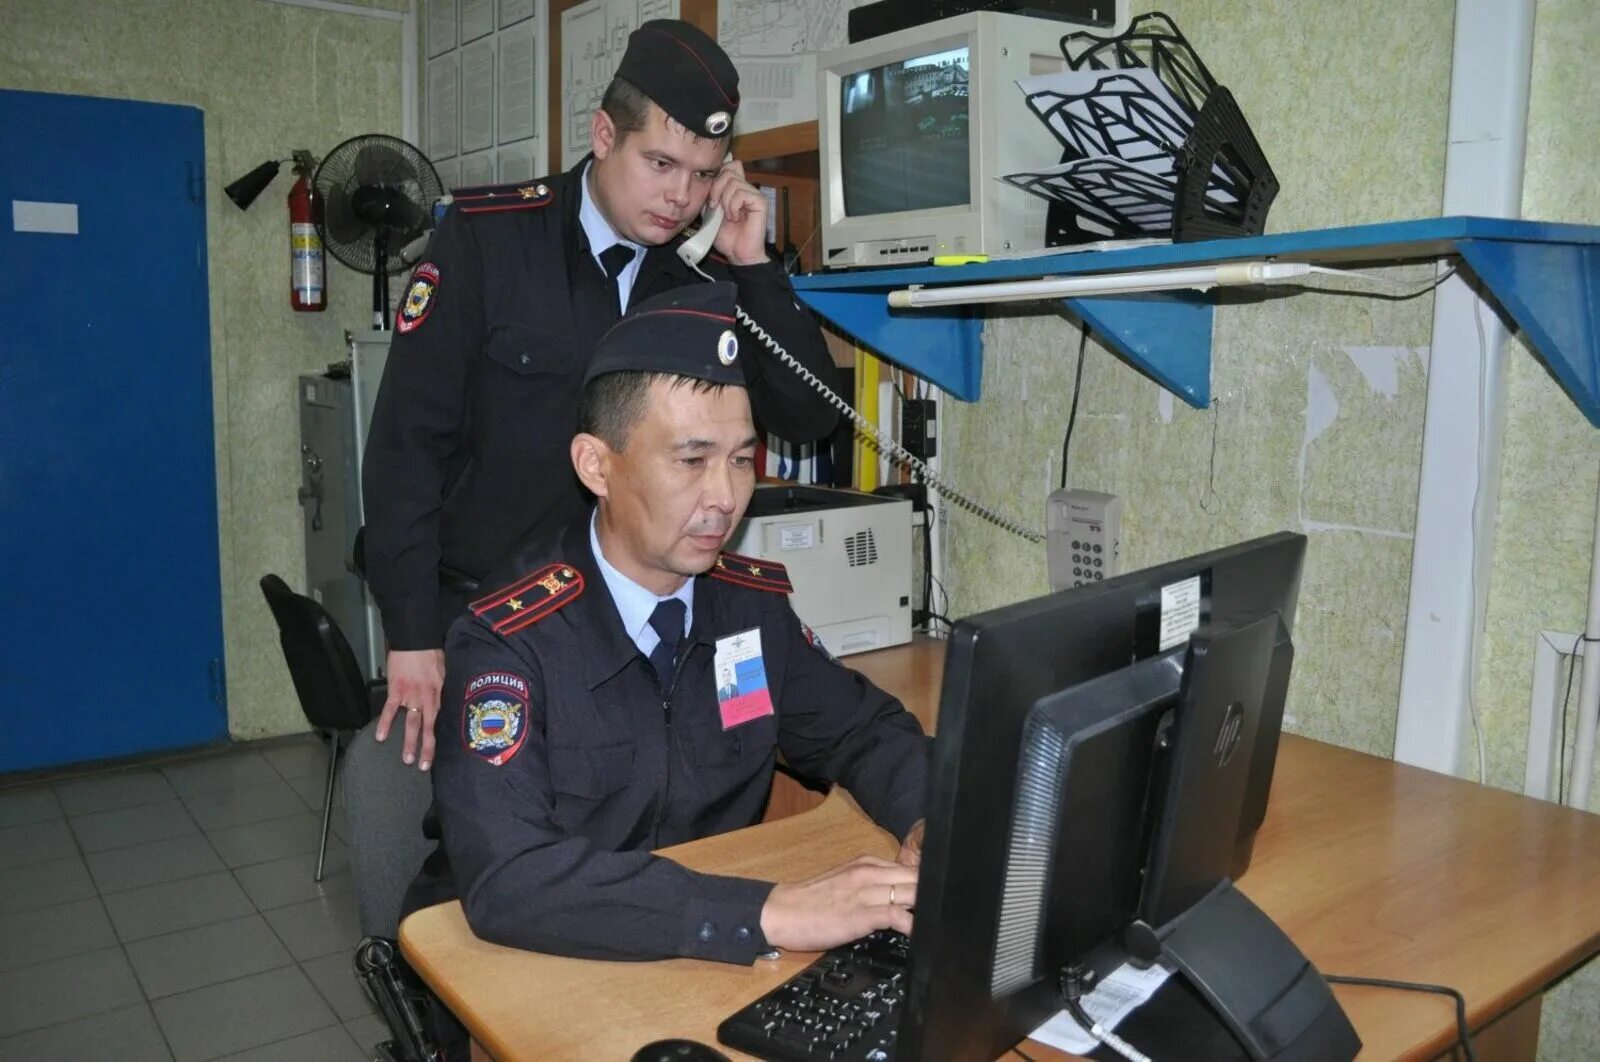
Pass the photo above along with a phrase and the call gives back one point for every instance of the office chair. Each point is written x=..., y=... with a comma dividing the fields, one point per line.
x=333, y=694
x=385, y=800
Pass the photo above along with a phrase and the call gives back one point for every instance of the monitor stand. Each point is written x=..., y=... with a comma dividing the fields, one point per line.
x=1267, y=994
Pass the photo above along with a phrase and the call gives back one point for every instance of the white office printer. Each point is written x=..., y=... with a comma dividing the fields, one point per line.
x=848, y=555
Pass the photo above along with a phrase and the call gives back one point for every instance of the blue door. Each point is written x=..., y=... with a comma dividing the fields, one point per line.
x=110, y=601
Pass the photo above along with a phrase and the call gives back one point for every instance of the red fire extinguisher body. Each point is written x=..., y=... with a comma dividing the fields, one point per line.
x=308, y=291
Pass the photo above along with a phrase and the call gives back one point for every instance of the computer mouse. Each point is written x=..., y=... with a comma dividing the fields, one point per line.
x=679, y=1051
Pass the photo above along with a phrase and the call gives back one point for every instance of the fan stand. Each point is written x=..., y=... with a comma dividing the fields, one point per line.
x=380, y=281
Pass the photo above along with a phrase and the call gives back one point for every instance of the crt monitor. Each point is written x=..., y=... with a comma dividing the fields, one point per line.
x=915, y=129
x=980, y=979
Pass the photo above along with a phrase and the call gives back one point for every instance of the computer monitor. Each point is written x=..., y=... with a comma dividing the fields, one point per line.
x=916, y=127
x=1103, y=760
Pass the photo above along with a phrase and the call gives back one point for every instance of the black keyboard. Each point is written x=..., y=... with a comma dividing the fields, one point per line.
x=846, y=1006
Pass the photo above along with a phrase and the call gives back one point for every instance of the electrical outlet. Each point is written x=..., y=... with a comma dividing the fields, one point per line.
x=1083, y=537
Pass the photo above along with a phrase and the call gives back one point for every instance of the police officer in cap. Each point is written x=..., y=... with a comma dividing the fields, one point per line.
x=583, y=725
x=466, y=452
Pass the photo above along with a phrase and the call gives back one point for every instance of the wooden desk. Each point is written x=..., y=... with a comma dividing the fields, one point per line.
x=1374, y=869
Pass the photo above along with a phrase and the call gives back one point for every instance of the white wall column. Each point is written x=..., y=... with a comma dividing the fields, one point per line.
x=1461, y=444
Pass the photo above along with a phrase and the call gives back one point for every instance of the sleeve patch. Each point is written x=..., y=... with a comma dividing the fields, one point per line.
x=494, y=717
x=816, y=643
x=753, y=572
x=419, y=298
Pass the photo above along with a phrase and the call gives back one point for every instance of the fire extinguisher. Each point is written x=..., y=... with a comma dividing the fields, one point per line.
x=308, y=289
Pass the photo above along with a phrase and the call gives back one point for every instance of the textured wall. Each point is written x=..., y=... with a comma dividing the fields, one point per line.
x=269, y=78
x=1320, y=397
x=1547, y=499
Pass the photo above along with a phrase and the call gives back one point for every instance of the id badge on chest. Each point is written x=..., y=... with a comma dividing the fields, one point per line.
x=741, y=677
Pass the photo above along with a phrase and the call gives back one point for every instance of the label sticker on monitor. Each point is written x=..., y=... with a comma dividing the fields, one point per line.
x=1180, y=612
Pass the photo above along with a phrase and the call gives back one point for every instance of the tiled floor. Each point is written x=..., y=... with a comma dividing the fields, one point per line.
x=168, y=912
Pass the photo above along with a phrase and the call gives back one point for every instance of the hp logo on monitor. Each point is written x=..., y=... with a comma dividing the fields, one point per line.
x=1228, y=735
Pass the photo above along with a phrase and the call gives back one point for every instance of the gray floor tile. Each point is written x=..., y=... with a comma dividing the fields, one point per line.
x=311, y=786
x=45, y=884
x=230, y=770
x=49, y=993
x=237, y=1015
x=53, y=933
x=127, y=1035
x=299, y=758
x=318, y=927
x=174, y=859
x=261, y=842
x=206, y=955
x=155, y=909
x=36, y=842
x=105, y=830
x=332, y=1044
x=25, y=804
x=286, y=881
x=368, y=1031
x=245, y=804
x=112, y=789
x=335, y=978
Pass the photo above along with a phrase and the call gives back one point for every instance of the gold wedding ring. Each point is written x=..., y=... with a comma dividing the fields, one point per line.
x=891, y=895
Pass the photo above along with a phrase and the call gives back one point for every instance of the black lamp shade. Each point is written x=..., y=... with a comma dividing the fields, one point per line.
x=243, y=192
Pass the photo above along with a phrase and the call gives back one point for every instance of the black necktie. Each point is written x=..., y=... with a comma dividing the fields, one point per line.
x=614, y=260
x=667, y=620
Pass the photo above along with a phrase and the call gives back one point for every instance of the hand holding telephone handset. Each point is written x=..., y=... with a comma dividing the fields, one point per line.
x=693, y=250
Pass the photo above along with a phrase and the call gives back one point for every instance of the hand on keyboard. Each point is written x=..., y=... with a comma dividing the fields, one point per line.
x=840, y=905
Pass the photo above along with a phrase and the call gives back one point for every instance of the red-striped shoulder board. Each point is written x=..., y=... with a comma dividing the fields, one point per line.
x=530, y=598
x=496, y=198
x=753, y=572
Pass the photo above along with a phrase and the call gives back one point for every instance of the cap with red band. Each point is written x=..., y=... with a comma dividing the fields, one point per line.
x=685, y=72
x=688, y=331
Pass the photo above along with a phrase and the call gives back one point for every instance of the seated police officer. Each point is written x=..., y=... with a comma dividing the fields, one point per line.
x=627, y=686
x=467, y=452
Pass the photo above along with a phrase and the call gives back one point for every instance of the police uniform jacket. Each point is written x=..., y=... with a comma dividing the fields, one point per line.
x=562, y=762
x=467, y=453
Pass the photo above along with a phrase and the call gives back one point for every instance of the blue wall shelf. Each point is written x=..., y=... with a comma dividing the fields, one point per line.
x=1546, y=277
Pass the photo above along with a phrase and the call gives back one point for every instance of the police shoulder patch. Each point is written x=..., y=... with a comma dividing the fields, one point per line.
x=494, y=715
x=530, y=598
x=753, y=572
x=498, y=198
x=419, y=298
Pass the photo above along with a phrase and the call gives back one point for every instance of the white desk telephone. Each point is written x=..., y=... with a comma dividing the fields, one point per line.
x=693, y=250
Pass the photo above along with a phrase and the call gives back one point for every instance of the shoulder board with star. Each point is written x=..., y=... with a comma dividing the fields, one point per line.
x=753, y=572
x=497, y=198
x=530, y=598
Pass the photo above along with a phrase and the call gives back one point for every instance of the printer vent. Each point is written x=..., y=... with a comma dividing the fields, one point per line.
x=861, y=548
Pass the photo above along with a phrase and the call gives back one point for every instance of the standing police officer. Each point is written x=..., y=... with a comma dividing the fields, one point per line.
x=466, y=455
x=589, y=716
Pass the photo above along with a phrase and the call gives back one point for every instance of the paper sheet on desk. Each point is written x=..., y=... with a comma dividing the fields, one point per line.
x=1124, y=989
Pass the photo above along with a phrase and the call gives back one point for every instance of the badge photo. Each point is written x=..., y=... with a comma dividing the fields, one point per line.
x=741, y=676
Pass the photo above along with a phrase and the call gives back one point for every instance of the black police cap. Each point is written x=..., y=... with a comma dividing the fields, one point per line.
x=689, y=331
x=685, y=72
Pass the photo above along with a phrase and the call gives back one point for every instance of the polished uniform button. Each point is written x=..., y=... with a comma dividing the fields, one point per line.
x=741, y=934
x=708, y=930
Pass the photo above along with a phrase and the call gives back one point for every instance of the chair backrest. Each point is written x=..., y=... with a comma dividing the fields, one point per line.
x=332, y=691
x=384, y=802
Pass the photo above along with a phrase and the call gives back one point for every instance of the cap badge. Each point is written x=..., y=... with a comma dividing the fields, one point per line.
x=717, y=122
x=727, y=347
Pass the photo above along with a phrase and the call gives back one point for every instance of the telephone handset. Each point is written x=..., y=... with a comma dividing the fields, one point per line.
x=693, y=250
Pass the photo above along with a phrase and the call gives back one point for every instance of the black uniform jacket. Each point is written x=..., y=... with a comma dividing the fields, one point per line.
x=562, y=762
x=467, y=453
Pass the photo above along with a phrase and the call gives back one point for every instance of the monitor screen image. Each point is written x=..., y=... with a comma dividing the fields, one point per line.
x=904, y=135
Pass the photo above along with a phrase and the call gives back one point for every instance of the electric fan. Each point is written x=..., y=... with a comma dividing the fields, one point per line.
x=377, y=196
